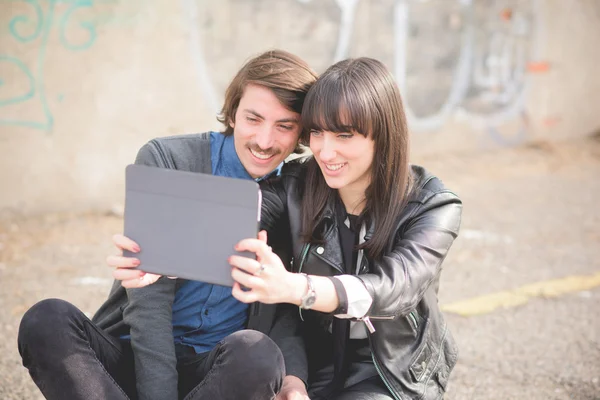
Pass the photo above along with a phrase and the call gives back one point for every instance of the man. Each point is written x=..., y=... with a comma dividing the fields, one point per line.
x=179, y=338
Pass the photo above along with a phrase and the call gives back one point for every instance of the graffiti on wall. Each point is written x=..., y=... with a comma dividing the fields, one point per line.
x=489, y=80
x=470, y=64
x=455, y=60
x=38, y=23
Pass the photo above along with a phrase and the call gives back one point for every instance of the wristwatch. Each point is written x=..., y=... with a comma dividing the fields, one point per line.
x=309, y=298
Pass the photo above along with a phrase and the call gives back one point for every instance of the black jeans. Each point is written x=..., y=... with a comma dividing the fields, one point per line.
x=69, y=357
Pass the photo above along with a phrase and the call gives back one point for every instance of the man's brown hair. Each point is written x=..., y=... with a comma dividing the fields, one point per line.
x=288, y=76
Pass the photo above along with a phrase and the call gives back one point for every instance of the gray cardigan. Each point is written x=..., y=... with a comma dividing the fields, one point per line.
x=146, y=313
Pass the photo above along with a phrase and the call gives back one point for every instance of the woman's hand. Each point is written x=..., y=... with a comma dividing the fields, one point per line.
x=131, y=278
x=265, y=278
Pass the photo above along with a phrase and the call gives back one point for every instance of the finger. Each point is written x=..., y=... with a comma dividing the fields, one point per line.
x=122, y=262
x=149, y=279
x=243, y=296
x=249, y=265
x=262, y=236
x=254, y=245
x=140, y=282
x=127, y=274
x=133, y=284
x=250, y=281
x=124, y=243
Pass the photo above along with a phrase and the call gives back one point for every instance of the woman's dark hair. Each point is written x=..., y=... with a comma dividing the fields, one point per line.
x=361, y=96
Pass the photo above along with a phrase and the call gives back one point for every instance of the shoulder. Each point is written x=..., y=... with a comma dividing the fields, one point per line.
x=295, y=173
x=431, y=202
x=295, y=168
x=290, y=180
x=188, y=152
x=185, y=141
x=427, y=187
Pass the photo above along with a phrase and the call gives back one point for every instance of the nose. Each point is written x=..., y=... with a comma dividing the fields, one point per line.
x=328, y=150
x=265, y=138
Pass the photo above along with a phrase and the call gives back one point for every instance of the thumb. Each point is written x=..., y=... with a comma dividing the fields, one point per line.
x=262, y=235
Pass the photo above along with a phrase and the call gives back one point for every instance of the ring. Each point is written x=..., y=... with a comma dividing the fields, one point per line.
x=260, y=269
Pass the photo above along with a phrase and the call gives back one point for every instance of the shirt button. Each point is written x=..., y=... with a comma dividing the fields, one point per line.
x=320, y=250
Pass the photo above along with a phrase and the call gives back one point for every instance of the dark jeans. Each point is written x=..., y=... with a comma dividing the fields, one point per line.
x=68, y=357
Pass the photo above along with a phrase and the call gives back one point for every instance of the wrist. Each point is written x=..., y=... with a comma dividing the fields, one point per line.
x=310, y=296
x=298, y=288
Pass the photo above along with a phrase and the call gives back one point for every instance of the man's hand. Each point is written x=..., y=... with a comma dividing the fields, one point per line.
x=131, y=278
x=293, y=389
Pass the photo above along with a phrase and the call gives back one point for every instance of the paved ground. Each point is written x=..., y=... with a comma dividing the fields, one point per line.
x=531, y=214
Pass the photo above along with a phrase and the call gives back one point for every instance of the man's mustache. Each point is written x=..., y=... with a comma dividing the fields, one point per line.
x=272, y=151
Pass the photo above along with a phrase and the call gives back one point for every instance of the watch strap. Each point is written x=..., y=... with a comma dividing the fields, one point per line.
x=310, y=293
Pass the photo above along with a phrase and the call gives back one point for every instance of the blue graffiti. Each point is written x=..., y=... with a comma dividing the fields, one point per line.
x=20, y=30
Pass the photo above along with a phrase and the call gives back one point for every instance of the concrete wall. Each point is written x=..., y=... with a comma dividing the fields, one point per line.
x=84, y=83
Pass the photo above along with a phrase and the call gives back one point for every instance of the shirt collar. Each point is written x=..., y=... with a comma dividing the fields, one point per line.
x=275, y=172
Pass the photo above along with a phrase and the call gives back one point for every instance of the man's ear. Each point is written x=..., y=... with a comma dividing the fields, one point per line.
x=231, y=123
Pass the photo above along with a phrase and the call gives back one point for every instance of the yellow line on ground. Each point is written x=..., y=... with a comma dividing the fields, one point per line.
x=512, y=298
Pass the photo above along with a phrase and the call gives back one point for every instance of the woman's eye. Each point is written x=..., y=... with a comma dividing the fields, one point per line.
x=346, y=136
x=315, y=133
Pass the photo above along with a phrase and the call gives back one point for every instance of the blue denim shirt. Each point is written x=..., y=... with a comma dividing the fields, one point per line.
x=204, y=314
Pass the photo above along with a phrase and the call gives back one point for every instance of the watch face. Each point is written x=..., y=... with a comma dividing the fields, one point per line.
x=310, y=301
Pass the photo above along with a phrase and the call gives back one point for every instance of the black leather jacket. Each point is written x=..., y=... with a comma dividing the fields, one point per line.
x=412, y=348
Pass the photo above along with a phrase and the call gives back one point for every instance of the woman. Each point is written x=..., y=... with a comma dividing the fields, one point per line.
x=368, y=233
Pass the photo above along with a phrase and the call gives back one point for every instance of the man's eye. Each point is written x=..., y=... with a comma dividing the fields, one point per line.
x=286, y=127
x=250, y=119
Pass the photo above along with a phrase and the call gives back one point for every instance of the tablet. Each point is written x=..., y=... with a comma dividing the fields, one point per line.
x=187, y=223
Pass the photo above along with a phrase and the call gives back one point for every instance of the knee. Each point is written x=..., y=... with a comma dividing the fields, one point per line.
x=43, y=321
x=256, y=351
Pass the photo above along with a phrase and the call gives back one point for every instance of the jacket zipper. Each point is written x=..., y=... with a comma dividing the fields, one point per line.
x=303, y=256
x=371, y=328
x=381, y=374
x=412, y=317
x=302, y=259
x=368, y=323
x=366, y=320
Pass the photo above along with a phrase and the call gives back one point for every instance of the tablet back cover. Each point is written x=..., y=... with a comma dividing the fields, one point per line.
x=187, y=223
